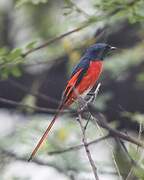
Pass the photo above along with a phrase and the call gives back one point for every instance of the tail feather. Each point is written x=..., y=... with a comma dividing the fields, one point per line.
x=45, y=133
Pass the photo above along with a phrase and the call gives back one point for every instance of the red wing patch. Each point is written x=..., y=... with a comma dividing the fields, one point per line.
x=70, y=86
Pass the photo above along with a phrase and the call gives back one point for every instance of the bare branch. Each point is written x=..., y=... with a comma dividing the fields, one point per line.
x=24, y=159
x=78, y=147
x=133, y=162
x=138, y=151
x=99, y=118
x=84, y=139
x=29, y=91
x=57, y=38
x=38, y=95
x=37, y=108
x=15, y=156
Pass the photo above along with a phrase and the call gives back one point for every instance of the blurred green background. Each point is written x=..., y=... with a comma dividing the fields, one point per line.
x=32, y=81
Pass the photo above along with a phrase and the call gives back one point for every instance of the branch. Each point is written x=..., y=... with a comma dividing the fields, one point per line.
x=42, y=109
x=84, y=139
x=42, y=163
x=121, y=143
x=101, y=121
x=99, y=118
x=47, y=43
x=29, y=91
x=36, y=161
x=78, y=147
x=39, y=95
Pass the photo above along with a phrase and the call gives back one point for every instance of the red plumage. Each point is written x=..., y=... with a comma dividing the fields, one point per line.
x=87, y=82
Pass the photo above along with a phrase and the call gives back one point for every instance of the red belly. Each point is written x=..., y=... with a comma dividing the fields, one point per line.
x=91, y=77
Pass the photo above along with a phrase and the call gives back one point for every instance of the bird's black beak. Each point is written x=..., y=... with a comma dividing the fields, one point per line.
x=113, y=48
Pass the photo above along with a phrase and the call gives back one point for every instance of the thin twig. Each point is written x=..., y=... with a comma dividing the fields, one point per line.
x=126, y=151
x=102, y=123
x=111, y=151
x=37, y=108
x=91, y=100
x=139, y=138
x=38, y=95
x=99, y=118
x=78, y=147
x=84, y=139
x=56, y=39
x=24, y=159
x=29, y=91
x=42, y=163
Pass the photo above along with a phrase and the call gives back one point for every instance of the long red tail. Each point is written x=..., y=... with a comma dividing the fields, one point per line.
x=45, y=133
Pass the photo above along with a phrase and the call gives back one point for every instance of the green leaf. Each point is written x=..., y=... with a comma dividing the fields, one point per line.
x=38, y=1
x=19, y=3
x=31, y=45
x=4, y=73
x=16, y=71
x=14, y=54
x=3, y=51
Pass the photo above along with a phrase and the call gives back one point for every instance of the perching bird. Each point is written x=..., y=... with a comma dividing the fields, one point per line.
x=81, y=81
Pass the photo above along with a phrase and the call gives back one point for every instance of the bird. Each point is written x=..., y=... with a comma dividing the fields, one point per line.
x=83, y=78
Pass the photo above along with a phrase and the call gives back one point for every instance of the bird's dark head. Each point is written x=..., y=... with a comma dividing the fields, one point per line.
x=99, y=51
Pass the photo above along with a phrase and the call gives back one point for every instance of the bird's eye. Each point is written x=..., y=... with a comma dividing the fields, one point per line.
x=108, y=47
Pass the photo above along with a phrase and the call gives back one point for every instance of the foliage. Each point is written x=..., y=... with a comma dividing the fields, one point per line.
x=9, y=62
x=130, y=9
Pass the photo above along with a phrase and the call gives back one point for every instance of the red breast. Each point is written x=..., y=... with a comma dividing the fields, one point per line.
x=90, y=78
x=88, y=81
